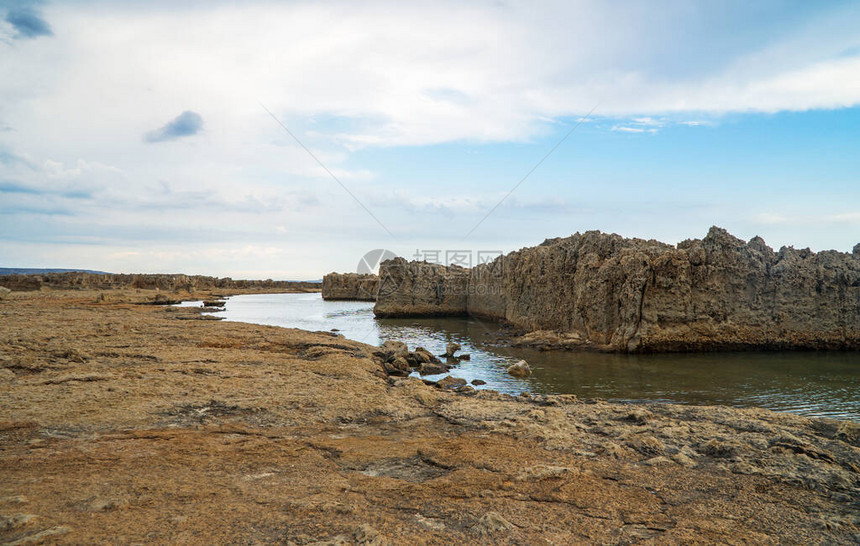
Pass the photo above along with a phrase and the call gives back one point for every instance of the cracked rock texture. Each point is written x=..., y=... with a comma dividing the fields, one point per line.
x=120, y=424
x=350, y=286
x=421, y=288
x=605, y=292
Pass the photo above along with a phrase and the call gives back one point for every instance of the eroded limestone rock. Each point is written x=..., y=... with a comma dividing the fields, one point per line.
x=350, y=286
x=601, y=291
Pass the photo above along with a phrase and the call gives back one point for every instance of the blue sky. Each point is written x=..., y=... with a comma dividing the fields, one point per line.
x=135, y=136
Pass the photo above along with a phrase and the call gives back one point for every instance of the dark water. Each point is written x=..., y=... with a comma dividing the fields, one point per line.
x=809, y=383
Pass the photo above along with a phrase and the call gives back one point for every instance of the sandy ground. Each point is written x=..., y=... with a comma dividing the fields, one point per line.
x=125, y=423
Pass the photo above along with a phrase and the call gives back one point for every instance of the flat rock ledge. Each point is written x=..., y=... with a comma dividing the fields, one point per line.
x=120, y=424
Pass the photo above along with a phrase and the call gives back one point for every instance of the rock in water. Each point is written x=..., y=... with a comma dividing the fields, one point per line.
x=432, y=369
x=520, y=369
x=600, y=291
x=424, y=355
x=451, y=349
x=350, y=286
x=449, y=382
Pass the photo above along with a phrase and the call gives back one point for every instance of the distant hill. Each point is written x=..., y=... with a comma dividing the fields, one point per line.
x=34, y=271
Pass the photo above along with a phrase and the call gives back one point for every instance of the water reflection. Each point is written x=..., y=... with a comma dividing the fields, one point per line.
x=809, y=383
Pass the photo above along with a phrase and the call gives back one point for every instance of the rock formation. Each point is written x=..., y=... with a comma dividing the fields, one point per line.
x=350, y=286
x=421, y=289
x=604, y=292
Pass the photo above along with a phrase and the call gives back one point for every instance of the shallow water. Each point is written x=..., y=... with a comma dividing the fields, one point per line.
x=821, y=384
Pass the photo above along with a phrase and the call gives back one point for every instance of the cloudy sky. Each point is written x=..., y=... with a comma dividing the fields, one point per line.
x=137, y=136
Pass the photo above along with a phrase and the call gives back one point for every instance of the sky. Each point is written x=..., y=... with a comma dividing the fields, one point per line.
x=287, y=139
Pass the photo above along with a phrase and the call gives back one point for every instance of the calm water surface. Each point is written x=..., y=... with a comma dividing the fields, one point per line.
x=823, y=384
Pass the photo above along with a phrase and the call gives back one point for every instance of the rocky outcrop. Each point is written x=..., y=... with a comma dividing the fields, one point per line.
x=605, y=292
x=421, y=288
x=350, y=286
x=189, y=283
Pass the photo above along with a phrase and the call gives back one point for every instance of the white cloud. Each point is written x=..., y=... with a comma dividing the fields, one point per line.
x=347, y=76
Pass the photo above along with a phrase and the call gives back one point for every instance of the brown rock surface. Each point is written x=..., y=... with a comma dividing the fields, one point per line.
x=420, y=288
x=122, y=424
x=605, y=292
x=350, y=286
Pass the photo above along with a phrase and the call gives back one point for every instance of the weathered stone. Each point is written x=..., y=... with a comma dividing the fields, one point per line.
x=398, y=366
x=451, y=349
x=425, y=356
x=849, y=432
x=478, y=382
x=396, y=348
x=520, y=369
x=420, y=288
x=449, y=382
x=428, y=368
x=350, y=286
x=604, y=292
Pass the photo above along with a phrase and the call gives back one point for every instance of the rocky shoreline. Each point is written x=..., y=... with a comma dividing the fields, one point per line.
x=350, y=286
x=177, y=283
x=132, y=423
x=598, y=291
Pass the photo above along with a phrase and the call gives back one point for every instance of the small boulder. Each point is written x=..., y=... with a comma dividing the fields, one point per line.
x=478, y=382
x=465, y=389
x=396, y=348
x=465, y=356
x=432, y=369
x=520, y=369
x=451, y=349
x=449, y=382
x=425, y=356
x=397, y=366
